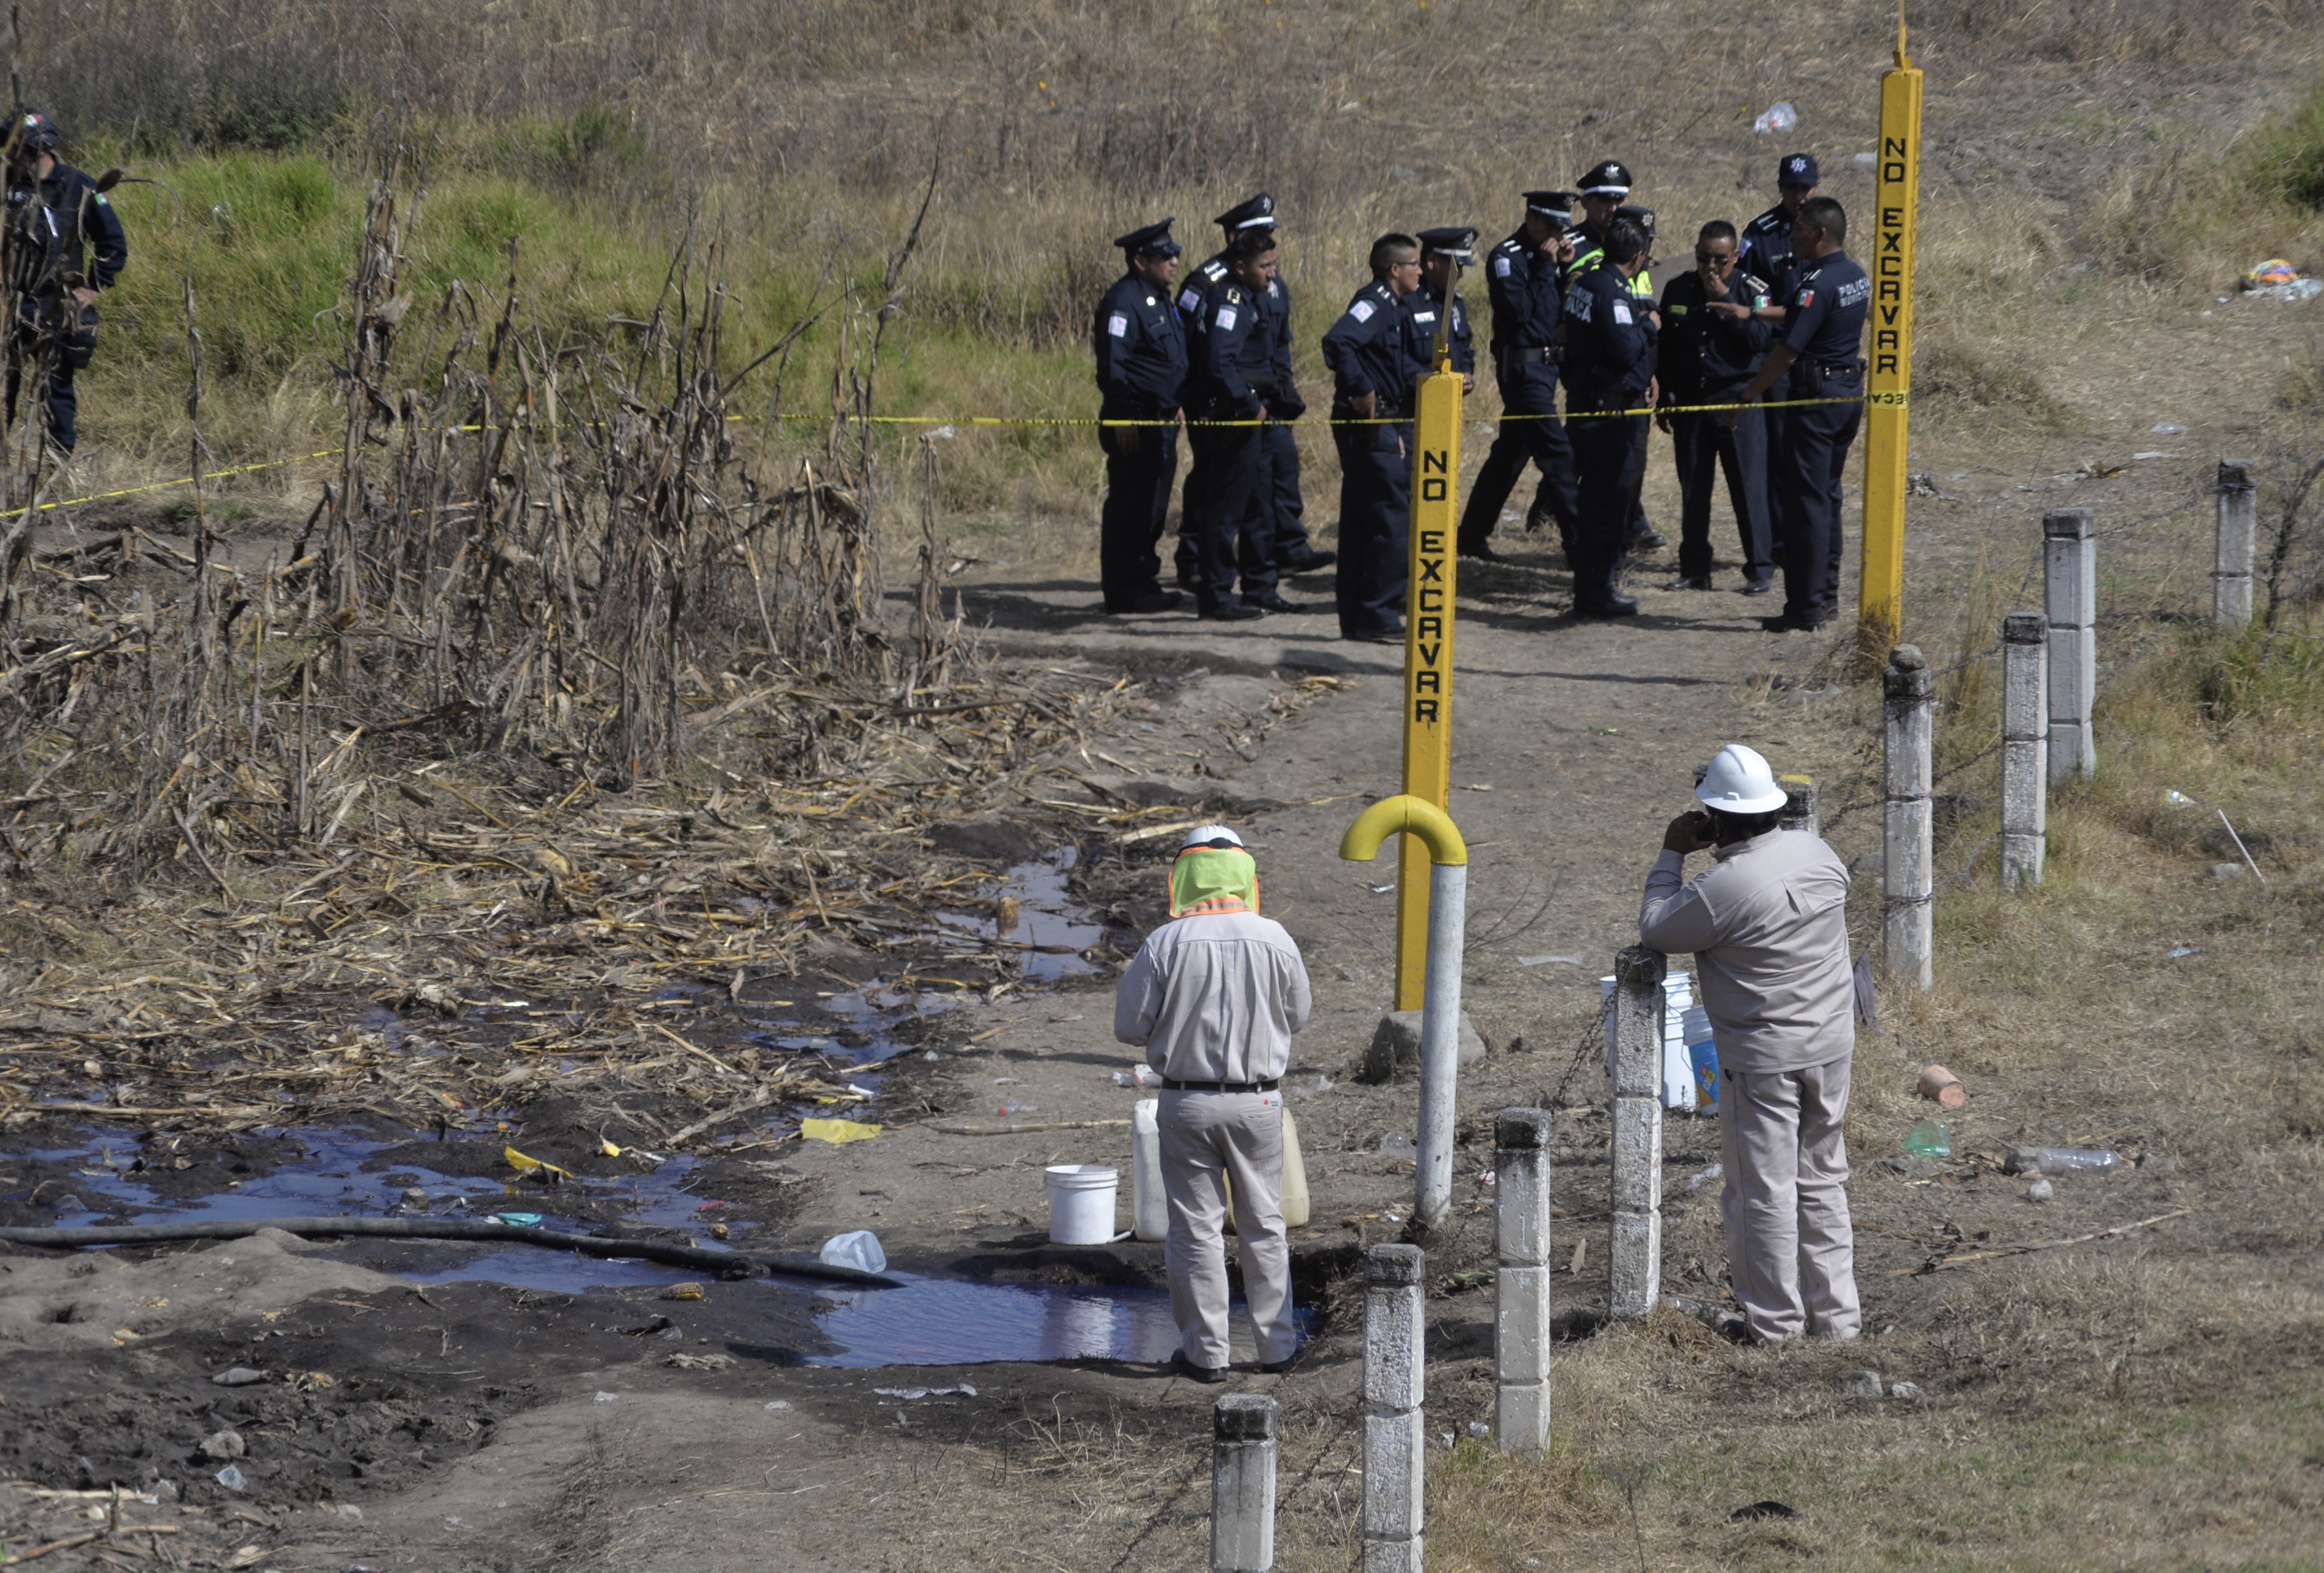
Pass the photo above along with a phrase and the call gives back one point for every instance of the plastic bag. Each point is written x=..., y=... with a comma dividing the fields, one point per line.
x=857, y=1248
x=2274, y=271
x=1777, y=117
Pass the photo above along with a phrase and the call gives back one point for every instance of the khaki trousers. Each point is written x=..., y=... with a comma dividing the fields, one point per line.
x=1791, y=1251
x=1208, y=1139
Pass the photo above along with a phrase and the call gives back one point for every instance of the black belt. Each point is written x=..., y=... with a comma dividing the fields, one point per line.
x=1170, y=1086
x=1533, y=355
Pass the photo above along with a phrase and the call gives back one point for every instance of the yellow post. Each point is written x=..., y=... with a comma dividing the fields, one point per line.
x=1428, y=649
x=1880, y=602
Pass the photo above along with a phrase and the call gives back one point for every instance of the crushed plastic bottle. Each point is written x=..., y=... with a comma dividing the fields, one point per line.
x=2062, y=1161
x=2040, y=1190
x=857, y=1248
x=232, y=1479
x=1398, y=1144
x=1774, y=118
x=1929, y=1138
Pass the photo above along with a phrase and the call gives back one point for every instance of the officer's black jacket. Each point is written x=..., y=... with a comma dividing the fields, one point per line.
x=1609, y=341
x=1233, y=341
x=1283, y=400
x=51, y=218
x=1141, y=351
x=1369, y=351
x=1700, y=348
x=1823, y=320
x=1766, y=253
x=1523, y=286
x=1425, y=305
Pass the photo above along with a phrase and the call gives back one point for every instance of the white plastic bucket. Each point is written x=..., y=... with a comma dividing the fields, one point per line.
x=1081, y=1203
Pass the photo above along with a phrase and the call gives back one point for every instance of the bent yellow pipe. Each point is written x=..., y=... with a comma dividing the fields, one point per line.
x=1409, y=816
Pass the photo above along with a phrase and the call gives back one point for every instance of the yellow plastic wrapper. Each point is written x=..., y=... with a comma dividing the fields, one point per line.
x=524, y=1165
x=837, y=1131
x=608, y=1148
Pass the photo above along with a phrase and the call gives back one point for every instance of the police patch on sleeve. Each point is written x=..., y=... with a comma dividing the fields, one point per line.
x=1361, y=311
x=1188, y=299
x=1501, y=267
x=1225, y=320
x=1622, y=312
x=1118, y=324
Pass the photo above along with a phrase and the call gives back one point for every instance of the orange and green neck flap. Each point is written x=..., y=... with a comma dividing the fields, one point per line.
x=1208, y=880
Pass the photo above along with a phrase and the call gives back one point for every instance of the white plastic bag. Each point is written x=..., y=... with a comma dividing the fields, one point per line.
x=857, y=1248
x=1777, y=117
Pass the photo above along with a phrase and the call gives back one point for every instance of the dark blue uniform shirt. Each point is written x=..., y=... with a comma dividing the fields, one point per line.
x=1522, y=285
x=1283, y=400
x=1824, y=319
x=1425, y=308
x=1700, y=348
x=1141, y=351
x=1234, y=340
x=1369, y=350
x=1609, y=341
x=74, y=213
x=1766, y=253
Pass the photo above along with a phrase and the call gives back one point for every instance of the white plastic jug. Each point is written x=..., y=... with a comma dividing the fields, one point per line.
x=1149, y=1209
x=1295, y=1205
x=1081, y=1203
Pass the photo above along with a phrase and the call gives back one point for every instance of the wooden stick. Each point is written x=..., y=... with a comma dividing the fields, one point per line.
x=2019, y=1250
x=1010, y=1130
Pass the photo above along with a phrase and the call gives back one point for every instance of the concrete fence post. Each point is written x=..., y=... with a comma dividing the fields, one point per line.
x=1395, y=1368
x=1521, y=1280
x=2231, y=566
x=1909, y=698
x=1634, y=1261
x=2069, y=600
x=1800, y=808
x=1242, y=1484
x=2025, y=750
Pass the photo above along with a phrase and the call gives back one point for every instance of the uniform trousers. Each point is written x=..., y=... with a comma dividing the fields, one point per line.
x=1287, y=544
x=1140, y=462
x=1533, y=393
x=1642, y=427
x=1211, y=1140
x=1229, y=522
x=1807, y=453
x=1703, y=446
x=1791, y=1251
x=64, y=404
x=1603, y=450
x=1375, y=526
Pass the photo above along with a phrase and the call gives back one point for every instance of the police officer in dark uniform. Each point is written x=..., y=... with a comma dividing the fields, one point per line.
x=1195, y=300
x=1766, y=249
x=1375, y=362
x=1288, y=548
x=1609, y=365
x=1817, y=357
x=1644, y=537
x=53, y=209
x=1605, y=190
x=1437, y=306
x=1522, y=282
x=1713, y=343
x=1224, y=412
x=1141, y=369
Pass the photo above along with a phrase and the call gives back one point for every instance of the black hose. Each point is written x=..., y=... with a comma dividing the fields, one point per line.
x=726, y=1263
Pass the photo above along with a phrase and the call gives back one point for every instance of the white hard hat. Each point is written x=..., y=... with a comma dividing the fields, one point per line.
x=1738, y=781
x=1205, y=834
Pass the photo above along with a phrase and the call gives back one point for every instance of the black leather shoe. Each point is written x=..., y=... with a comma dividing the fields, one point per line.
x=1157, y=600
x=1690, y=582
x=1234, y=611
x=1757, y=587
x=1272, y=602
x=1611, y=607
x=1182, y=1366
x=1313, y=563
x=1186, y=580
x=1388, y=634
x=1649, y=539
x=1483, y=551
x=1787, y=623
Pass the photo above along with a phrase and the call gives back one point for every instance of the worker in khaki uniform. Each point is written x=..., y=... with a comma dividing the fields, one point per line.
x=1213, y=996
x=1767, y=926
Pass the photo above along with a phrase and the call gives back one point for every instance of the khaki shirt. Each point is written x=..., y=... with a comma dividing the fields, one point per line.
x=1214, y=998
x=1767, y=926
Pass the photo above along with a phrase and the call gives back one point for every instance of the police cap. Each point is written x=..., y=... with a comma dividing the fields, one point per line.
x=1242, y=216
x=1450, y=239
x=1644, y=217
x=1610, y=178
x=1796, y=170
x=1557, y=206
x=36, y=133
x=1153, y=241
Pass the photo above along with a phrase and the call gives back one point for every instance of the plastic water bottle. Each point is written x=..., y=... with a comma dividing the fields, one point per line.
x=2064, y=1160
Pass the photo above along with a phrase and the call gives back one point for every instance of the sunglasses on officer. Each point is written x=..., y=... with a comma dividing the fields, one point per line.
x=1716, y=259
